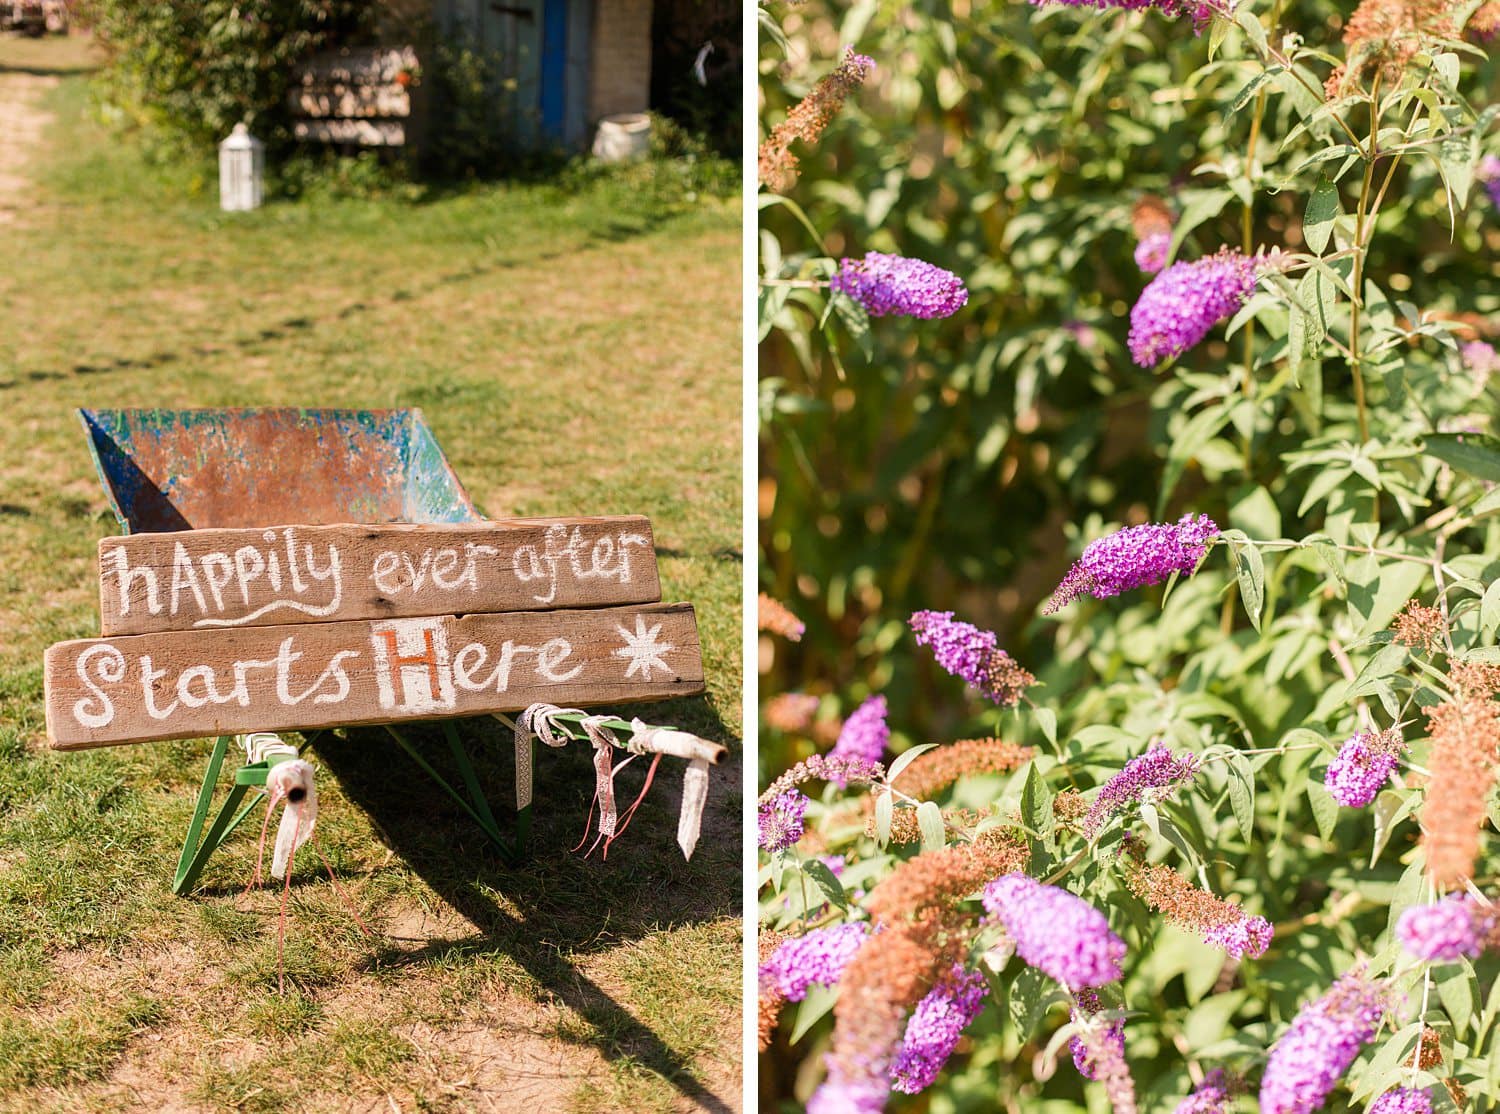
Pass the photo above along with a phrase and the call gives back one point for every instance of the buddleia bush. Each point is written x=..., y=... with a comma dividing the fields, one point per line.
x=1131, y=557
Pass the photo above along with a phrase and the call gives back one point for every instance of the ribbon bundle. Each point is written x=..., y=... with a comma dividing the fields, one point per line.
x=554, y=727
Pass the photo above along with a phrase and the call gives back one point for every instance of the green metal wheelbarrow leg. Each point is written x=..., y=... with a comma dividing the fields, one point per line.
x=476, y=804
x=195, y=854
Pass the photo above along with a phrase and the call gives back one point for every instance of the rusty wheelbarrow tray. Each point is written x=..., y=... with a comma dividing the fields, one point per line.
x=172, y=470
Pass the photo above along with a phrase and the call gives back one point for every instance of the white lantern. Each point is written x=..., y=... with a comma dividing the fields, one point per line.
x=242, y=171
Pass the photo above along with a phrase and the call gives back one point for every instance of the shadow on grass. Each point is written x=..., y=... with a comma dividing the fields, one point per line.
x=555, y=904
x=63, y=70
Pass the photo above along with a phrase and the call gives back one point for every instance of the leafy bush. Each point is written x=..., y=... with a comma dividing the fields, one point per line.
x=474, y=110
x=1206, y=694
x=192, y=70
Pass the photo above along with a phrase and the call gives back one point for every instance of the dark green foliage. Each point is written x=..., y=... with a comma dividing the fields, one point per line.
x=194, y=68
x=963, y=464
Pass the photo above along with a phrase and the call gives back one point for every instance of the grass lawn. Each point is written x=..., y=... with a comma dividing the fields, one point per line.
x=576, y=352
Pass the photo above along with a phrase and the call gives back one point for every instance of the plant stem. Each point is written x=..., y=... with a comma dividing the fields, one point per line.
x=1416, y=1056
x=1434, y=563
x=1063, y=871
x=799, y=284
x=1247, y=239
x=1226, y=755
x=1362, y=248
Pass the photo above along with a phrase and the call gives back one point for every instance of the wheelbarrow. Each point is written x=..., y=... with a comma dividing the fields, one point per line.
x=199, y=474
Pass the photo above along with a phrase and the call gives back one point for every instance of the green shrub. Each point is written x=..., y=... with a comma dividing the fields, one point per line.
x=1338, y=427
x=192, y=69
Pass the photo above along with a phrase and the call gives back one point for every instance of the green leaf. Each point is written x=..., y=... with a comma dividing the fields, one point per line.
x=1250, y=569
x=906, y=758
x=1325, y=809
x=1489, y=609
x=1474, y=453
x=1391, y=807
x=1036, y=803
x=832, y=888
x=1456, y=992
x=772, y=301
x=1458, y=156
x=1217, y=31
x=1046, y=719
x=1197, y=207
x=1242, y=794
x=884, y=808
x=1329, y=554
x=1408, y=891
x=1252, y=87
x=819, y=1001
x=856, y=319
x=1322, y=208
x=767, y=200
x=930, y=820
x=1391, y=657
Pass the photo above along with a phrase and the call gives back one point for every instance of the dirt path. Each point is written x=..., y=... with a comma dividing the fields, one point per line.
x=22, y=122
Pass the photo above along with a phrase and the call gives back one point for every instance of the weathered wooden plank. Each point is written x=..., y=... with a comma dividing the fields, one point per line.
x=303, y=574
x=186, y=684
x=358, y=65
x=349, y=100
x=365, y=133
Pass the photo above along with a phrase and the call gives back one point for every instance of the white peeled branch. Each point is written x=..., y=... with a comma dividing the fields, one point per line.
x=292, y=782
x=678, y=744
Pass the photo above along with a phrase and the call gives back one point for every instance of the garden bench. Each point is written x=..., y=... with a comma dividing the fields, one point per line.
x=305, y=570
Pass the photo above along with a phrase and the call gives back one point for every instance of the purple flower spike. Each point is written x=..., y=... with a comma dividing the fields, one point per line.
x=1134, y=557
x=1088, y=1004
x=1209, y=1097
x=1201, y=10
x=1185, y=301
x=933, y=1030
x=1249, y=936
x=1403, y=1100
x=1323, y=1040
x=781, y=820
x=1362, y=766
x=864, y=735
x=848, y=1096
x=1489, y=175
x=1146, y=777
x=1480, y=357
x=1443, y=932
x=1151, y=252
x=892, y=284
x=820, y=957
x=1059, y=934
x=971, y=654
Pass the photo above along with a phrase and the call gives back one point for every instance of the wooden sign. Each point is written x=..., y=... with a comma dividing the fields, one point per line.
x=186, y=684
x=214, y=579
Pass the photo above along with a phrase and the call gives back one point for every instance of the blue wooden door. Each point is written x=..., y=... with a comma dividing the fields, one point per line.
x=511, y=32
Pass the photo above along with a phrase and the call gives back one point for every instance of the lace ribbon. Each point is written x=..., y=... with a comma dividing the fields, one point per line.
x=538, y=722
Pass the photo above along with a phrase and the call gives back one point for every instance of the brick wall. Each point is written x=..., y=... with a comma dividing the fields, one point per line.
x=622, y=58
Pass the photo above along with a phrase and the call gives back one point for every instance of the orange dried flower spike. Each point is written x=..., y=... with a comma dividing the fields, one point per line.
x=773, y=616
x=1465, y=750
x=935, y=770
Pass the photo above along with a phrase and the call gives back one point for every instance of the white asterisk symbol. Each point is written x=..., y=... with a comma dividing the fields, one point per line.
x=642, y=649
